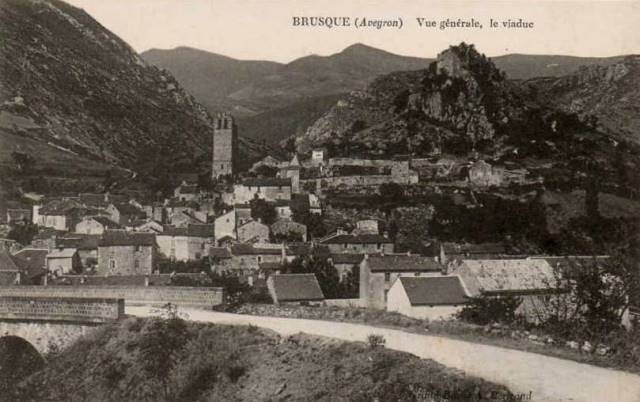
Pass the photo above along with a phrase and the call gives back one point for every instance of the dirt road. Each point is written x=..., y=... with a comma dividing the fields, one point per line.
x=546, y=378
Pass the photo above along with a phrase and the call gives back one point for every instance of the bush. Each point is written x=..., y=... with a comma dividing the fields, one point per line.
x=485, y=309
x=376, y=341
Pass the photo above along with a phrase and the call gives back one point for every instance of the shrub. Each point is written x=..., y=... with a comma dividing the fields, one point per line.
x=485, y=309
x=376, y=341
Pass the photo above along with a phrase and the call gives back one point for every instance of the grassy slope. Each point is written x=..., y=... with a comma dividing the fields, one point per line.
x=235, y=363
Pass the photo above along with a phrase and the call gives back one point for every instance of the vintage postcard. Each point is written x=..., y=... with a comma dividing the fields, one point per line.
x=335, y=200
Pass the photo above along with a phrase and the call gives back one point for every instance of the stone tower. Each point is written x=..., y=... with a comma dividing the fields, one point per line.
x=225, y=146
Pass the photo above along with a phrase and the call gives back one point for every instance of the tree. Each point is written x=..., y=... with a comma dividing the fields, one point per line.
x=391, y=191
x=313, y=222
x=24, y=233
x=262, y=210
x=325, y=273
x=485, y=309
x=160, y=346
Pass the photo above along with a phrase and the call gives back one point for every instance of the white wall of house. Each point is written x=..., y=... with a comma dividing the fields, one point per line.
x=58, y=222
x=225, y=225
x=89, y=226
x=398, y=301
x=184, y=248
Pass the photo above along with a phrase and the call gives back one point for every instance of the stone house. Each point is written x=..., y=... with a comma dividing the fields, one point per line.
x=367, y=226
x=155, y=211
x=63, y=261
x=59, y=214
x=86, y=246
x=33, y=265
x=18, y=215
x=246, y=258
x=431, y=298
x=243, y=213
x=186, y=218
x=346, y=263
x=268, y=189
x=379, y=272
x=95, y=225
x=186, y=192
x=292, y=172
x=531, y=280
x=295, y=289
x=283, y=209
x=124, y=213
x=10, y=272
x=317, y=156
x=220, y=259
x=483, y=174
x=253, y=232
x=225, y=225
x=126, y=253
x=186, y=243
x=341, y=242
x=287, y=228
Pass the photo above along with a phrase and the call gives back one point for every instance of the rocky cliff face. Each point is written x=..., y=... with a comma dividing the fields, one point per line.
x=606, y=96
x=68, y=86
x=461, y=102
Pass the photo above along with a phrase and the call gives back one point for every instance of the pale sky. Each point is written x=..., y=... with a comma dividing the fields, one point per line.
x=262, y=29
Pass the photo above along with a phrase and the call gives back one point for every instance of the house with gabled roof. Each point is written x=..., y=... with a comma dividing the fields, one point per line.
x=427, y=297
x=186, y=192
x=95, y=225
x=59, y=214
x=188, y=243
x=126, y=253
x=124, y=213
x=379, y=272
x=253, y=232
x=342, y=242
x=32, y=262
x=86, y=246
x=246, y=258
x=63, y=261
x=295, y=289
x=268, y=189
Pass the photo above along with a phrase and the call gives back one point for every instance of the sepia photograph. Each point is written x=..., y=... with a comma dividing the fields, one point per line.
x=333, y=201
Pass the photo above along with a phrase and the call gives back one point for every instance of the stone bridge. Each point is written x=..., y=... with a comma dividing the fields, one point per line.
x=47, y=322
x=55, y=316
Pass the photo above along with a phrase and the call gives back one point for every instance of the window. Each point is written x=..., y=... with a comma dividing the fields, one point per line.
x=112, y=264
x=202, y=246
x=138, y=248
x=386, y=291
x=198, y=255
x=136, y=264
x=379, y=246
x=387, y=276
x=259, y=258
x=346, y=245
x=221, y=166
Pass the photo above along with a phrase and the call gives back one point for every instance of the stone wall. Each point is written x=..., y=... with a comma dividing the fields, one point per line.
x=79, y=310
x=152, y=295
x=127, y=260
x=46, y=335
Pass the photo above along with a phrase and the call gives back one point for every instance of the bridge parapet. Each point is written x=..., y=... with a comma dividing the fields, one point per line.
x=148, y=295
x=75, y=310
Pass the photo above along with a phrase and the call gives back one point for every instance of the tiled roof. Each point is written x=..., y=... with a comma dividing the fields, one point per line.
x=64, y=253
x=7, y=262
x=507, y=275
x=266, y=182
x=219, y=252
x=59, y=207
x=402, y=263
x=270, y=266
x=106, y=222
x=192, y=230
x=347, y=258
x=307, y=249
x=468, y=248
x=177, y=203
x=356, y=239
x=128, y=209
x=250, y=249
x=32, y=260
x=437, y=290
x=296, y=287
x=78, y=240
x=122, y=238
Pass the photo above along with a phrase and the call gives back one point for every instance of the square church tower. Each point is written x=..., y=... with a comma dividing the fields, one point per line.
x=225, y=146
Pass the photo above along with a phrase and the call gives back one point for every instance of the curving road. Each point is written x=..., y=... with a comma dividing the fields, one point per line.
x=548, y=379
